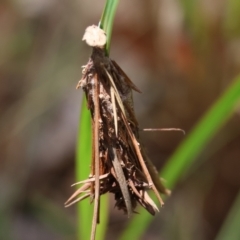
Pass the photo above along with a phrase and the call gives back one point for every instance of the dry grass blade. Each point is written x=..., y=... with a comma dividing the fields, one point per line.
x=78, y=199
x=122, y=183
x=78, y=192
x=164, y=130
x=142, y=162
x=116, y=93
x=96, y=156
x=90, y=179
x=114, y=110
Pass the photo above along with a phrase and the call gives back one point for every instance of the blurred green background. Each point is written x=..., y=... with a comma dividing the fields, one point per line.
x=182, y=54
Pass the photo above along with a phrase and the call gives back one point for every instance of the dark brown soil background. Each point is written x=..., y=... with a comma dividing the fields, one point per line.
x=181, y=54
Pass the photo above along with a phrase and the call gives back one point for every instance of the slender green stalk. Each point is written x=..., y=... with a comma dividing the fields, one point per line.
x=230, y=229
x=106, y=22
x=84, y=147
x=186, y=154
x=83, y=159
x=213, y=120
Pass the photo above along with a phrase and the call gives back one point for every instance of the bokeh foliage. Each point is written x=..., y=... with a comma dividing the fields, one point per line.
x=183, y=55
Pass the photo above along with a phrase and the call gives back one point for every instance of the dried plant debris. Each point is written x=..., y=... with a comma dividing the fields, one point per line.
x=119, y=164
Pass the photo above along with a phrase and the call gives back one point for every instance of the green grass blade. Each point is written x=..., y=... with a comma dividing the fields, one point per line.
x=213, y=120
x=83, y=156
x=83, y=159
x=84, y=153
x=230, y=229
x=106, y=22
x=186, y=154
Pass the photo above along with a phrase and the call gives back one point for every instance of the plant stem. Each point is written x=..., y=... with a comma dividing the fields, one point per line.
x=84, y=148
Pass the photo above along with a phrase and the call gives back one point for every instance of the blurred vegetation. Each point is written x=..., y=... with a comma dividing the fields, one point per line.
x=182, y=54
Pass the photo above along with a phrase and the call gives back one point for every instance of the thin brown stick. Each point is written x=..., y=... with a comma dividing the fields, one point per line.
x=79, y=191
x=92, y=179
x=78, y=199
x=142, y=163
x=164, y=130
x=96, y=157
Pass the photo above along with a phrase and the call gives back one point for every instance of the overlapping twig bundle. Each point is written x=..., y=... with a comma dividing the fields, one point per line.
x=119, y=164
